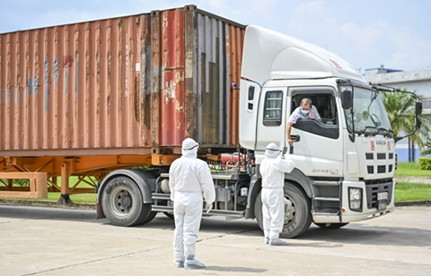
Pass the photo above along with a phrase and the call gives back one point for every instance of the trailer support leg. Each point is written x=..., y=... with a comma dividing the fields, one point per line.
x=65, y=173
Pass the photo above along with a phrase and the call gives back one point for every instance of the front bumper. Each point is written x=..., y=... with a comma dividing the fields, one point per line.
x=377, y=199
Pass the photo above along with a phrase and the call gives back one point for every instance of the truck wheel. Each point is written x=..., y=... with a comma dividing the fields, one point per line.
x=122, y=203
x=331, y=225
x=149, y=218
x=258, y=210
x=297, y=217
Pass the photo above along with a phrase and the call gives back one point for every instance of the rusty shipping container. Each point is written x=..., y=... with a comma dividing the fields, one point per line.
x=130, y=85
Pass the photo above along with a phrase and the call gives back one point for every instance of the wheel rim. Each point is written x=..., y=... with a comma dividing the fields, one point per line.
x=289, y=210
x=121, y=201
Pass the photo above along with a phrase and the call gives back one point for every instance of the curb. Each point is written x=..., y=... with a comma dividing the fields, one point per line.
x=53, y=204
x=413, y=203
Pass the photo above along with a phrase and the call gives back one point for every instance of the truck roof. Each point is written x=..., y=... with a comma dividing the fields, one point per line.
x=270, y=55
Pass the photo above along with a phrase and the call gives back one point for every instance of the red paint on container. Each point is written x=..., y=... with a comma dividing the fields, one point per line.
x=126, y=85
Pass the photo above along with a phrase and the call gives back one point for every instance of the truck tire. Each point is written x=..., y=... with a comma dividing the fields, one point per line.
x=123, y=205
x=331, y=225
x=297, y=218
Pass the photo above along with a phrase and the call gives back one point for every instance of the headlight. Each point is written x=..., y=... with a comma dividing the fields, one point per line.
x=355, y=199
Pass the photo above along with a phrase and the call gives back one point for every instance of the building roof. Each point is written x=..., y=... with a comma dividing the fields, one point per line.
x=391, y=77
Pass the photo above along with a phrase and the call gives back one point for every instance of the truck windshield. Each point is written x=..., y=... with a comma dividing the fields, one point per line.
x=369, y=114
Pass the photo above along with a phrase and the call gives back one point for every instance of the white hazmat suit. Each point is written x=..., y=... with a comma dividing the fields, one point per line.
x=189, y=179
x=272, y=169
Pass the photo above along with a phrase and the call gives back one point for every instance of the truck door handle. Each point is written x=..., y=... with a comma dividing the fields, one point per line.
x=295, y=138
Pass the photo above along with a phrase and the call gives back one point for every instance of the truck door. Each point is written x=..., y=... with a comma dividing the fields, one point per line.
x=319, y=150
x=271, y=118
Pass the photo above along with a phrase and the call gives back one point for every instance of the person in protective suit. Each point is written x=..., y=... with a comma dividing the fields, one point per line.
x=272, y=169
x=189, y=179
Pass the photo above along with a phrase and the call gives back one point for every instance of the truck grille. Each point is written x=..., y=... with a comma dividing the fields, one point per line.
x=378, y=186
x=373, y=168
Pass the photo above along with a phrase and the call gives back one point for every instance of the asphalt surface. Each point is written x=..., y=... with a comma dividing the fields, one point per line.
x=56, y=241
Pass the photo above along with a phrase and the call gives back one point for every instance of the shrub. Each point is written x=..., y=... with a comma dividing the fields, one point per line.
x=425, y=163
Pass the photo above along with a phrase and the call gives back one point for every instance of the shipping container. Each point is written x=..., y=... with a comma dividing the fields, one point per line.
x=129, y=85
x=91, y=97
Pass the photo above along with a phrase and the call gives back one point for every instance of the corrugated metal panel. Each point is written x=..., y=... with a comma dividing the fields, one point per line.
x=172, y=90
x=190, y=79
x=218, y=59
x=208, y=79
x=155, y=77
x=234, y=51
x=74, y=86
x=137, y=82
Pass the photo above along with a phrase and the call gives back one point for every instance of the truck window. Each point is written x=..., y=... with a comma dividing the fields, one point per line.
x=273, y=108
x=323, y=99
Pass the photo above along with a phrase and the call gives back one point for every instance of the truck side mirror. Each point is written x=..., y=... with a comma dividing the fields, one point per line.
x=418, y=108
x=346, y=99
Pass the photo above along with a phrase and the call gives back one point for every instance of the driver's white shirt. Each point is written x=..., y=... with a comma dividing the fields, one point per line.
x=296, y=114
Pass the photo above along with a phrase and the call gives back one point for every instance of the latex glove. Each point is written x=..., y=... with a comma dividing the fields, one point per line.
x=209, y=207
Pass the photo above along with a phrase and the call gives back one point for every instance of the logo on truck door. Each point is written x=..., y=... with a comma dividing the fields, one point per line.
x=326, y=171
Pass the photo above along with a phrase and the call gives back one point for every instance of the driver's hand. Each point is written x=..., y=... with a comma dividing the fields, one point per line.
x=290, y=141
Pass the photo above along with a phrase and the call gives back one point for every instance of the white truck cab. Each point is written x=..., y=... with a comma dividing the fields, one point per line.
x=345, y=163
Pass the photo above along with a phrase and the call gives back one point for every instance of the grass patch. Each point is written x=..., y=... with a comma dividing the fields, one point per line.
x=411, y=169
x=405, y=191
x=78, y=198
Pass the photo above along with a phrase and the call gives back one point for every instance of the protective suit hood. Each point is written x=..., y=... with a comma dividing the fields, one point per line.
x=190, y=148
x=272, y=150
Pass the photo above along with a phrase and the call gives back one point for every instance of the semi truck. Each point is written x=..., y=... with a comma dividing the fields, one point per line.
x=110, y=101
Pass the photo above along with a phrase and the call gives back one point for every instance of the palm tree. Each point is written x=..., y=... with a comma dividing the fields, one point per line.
x=427, y=150
x=399, y=108
x=401, y=112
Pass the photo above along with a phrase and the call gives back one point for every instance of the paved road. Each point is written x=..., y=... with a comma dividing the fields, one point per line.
x=50, y=241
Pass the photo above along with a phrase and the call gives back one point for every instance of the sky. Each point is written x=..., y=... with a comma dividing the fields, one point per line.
x=395, y=34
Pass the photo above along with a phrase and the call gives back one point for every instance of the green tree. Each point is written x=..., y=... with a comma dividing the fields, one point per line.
x=401, y=112
x=427, y=148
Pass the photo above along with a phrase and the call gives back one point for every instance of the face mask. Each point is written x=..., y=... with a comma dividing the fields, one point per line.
x=305, y=112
